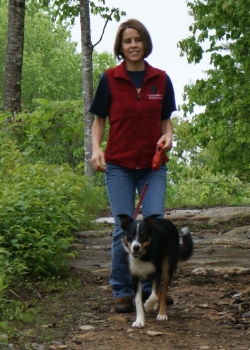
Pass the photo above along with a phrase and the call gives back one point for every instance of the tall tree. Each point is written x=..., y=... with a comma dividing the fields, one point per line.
x=65, y=10
x=87, y=73
x=87, y=79
x=14, y=56
x=221, y=29
x=3, y=41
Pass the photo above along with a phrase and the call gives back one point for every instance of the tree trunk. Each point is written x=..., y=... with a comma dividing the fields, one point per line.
x=14, y=57
x=87, y=79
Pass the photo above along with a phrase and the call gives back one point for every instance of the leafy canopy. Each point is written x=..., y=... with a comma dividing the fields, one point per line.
x=221, y=29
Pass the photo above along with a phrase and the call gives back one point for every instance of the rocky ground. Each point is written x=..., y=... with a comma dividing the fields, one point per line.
x=211, y=294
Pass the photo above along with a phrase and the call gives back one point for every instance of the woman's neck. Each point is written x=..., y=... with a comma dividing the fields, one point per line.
x=135, y=66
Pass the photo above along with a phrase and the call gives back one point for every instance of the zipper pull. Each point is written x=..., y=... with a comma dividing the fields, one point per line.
x=138, y=96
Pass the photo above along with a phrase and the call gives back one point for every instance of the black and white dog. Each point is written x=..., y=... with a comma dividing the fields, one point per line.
x=154, y=251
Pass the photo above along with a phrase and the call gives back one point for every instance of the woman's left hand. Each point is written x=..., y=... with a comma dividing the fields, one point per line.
x=167, y=140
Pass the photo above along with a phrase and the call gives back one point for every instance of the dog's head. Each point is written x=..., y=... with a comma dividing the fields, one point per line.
x=137, y=234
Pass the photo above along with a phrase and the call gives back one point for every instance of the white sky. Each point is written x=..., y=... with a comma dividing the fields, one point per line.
x=167, y=22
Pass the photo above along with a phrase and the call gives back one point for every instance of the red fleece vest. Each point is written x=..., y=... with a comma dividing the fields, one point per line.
x=134, y=118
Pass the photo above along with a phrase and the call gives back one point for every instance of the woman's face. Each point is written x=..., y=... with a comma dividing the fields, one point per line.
x=132, y=46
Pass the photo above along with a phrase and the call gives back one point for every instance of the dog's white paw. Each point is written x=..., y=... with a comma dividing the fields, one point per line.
x=138, y=323
x=149, y=305
x=162, y=317
x=156, y=306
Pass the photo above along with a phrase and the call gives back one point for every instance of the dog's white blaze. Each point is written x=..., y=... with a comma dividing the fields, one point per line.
x=140, y=268
x=137, y=230
x=136, y=240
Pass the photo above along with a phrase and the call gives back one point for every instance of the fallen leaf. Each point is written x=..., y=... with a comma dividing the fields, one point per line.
x=154, y=334
x=51, y=325
x=86, y=328
x=204, y=306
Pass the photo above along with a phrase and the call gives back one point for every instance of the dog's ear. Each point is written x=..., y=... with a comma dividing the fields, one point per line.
x=151, y=220
x=125, y=220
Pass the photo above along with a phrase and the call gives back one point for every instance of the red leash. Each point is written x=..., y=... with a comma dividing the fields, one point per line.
x=140, y=200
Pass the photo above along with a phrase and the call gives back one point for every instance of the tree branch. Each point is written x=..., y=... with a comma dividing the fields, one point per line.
x=105, y=25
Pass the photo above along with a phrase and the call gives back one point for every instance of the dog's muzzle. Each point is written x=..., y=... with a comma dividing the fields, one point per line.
x=136, y=250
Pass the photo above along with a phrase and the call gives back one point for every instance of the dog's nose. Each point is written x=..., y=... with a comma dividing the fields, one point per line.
x=136, y=248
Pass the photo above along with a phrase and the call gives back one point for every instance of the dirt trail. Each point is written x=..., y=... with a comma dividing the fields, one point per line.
x=221, y=238
x=211, y=291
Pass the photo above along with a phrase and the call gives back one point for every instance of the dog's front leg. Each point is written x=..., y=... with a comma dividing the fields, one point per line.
x=152, y=302
x=162, y=315
x=140, y=318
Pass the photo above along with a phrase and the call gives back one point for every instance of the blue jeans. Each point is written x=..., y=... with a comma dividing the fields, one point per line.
x=122, y=184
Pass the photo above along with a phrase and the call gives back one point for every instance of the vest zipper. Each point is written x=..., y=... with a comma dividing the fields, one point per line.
x=139, y=131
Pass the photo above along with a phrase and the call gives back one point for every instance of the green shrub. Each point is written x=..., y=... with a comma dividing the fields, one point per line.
x=41, y=206
x=53, y=133
x=8, y=269
x=198, y=188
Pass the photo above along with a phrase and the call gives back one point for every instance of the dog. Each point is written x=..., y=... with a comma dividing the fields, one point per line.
x=153, y=251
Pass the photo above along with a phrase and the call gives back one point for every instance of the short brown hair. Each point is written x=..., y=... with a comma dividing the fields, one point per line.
x=145, y=36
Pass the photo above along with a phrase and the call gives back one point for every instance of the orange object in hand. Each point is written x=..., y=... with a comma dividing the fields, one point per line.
x=157, y=160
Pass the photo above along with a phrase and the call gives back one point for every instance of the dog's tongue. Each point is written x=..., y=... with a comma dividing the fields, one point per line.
x=136, y=255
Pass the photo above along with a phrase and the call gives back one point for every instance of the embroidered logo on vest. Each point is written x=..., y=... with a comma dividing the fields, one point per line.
x=153, y=95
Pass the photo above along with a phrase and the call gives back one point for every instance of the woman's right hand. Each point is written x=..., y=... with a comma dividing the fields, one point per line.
x=98, y=160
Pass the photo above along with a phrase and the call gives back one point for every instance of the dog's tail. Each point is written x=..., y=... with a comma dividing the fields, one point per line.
x=187, y=246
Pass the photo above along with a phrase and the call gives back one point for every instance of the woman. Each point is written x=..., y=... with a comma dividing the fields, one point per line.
x=139, y=100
